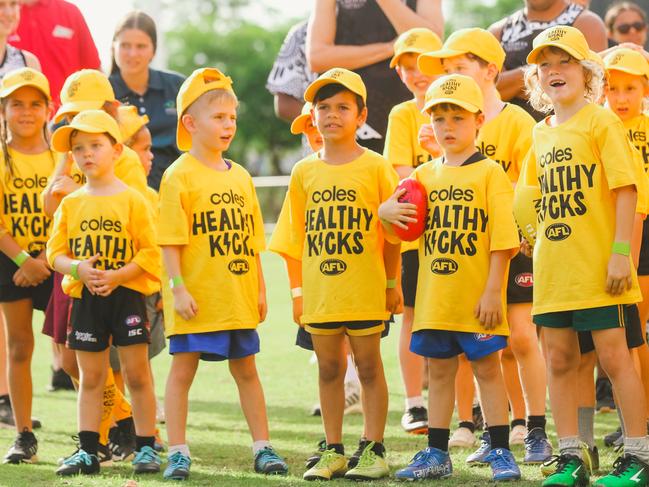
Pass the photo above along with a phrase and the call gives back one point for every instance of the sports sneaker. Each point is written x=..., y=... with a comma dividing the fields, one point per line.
x=61, y=381
x=103, y=454
x=177, y=467
x=80, y=463
x=121, y=443
x=371, y=466
x=537, y=447
x=479, y=456
x=315, y=458
x=330, y=465
x=503, y=465
x=415, y=421
x=611, y=438
x=268, y=462
x=628, y=471
x=462, y=438
x=604, y=395
x=353, y=460
x=429, y=463
x=517, y=435
x=146, y=460
x=316, y=411
x=23, y=450
x=570, y=471
x=353, y=398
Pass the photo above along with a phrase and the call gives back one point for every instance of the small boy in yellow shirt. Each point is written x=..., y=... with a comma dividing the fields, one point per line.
x=211, y=232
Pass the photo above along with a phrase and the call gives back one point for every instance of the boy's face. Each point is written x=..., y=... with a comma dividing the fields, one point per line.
x=463, y=64
x=94, y=153
x=313, y=136
x=337, y=117
x=9, y=16
x=455, y=128
x=213, y=124
x=415, y=80
x=142, y=146
x=561, y=77
x=26, y=111
x=625, y=93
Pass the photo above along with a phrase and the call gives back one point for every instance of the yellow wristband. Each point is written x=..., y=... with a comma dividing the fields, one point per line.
x=21, y=258
x=391, y=283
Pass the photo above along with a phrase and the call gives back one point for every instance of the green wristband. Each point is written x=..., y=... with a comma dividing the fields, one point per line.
x=391, y=283
x=622, y=248
x=20, y=259
x=74, y=269
x=175, y=282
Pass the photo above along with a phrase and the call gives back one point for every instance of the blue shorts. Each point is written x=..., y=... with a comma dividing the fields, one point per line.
x=447, y=344
x=217, y=345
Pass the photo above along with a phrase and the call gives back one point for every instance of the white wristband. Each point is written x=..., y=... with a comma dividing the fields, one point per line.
x=296, y=292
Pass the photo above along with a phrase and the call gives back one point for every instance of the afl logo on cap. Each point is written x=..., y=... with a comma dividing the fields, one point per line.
x=27, y=75
x=556, y=34
x=617, y=58
x=72, y=89
x=411, y=39
x=336, y=74
x=449, y=87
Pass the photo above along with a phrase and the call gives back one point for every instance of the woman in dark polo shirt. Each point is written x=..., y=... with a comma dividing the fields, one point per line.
x=152, y=91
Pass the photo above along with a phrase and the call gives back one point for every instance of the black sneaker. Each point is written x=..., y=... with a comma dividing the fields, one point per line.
x=353, y=460
x=315, y=458
x=121, y=443
x=80, y=463
x=604, y=395
x=612, y=438
x=23, y=450
x=7, y=415
x=61, y=381
x=415, y=421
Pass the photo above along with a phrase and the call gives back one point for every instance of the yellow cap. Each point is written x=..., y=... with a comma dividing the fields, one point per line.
x=566, y=38
x=350, y=80
x=455, y=89
x=199, y=82
x=478, y=42
x=299, y=124
x=417, y=40
x=89, y=121
x=87, y=89
x=19, y=78
x=628, y=61
x=130, y=121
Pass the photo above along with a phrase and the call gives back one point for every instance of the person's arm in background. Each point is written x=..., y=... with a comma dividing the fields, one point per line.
x=429, y=14
x=31, y=61
x=287, y=107
x=510, y=83
x=88, y=55
x=593, y=29
x=321, y=52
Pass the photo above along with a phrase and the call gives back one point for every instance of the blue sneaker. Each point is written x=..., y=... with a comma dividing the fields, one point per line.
x=503, y=465
x=268, y=462
x=429, y=463
x=177, y=467
x=479, y=457
x=146, y=460
x=537, y=447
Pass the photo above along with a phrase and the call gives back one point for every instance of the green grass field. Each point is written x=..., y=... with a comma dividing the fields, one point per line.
x=217, y=431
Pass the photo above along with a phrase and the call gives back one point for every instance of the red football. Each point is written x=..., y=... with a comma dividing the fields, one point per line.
x=416, y=195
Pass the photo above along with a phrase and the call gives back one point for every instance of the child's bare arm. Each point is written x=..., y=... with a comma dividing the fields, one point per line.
x=391, y=260
x=619, y=277
x=489, y=309
x=184, y=303
x=294, y=268
x=262, y=303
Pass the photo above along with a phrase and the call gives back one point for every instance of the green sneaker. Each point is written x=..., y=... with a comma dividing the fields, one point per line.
x=628, y=471
x=570, y=471
x=370, y=466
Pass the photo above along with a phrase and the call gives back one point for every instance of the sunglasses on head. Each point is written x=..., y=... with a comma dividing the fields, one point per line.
x=625, y=28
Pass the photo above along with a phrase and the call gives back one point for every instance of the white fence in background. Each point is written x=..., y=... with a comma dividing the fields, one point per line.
x=270, y=182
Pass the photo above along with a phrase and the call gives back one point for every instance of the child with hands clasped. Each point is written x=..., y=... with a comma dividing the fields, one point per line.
x=103, y=242
x=211, y=233
x=469, y=237
x=587, y=173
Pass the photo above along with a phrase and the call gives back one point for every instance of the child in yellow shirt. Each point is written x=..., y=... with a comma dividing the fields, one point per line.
x=211, y=233
x=103, y=242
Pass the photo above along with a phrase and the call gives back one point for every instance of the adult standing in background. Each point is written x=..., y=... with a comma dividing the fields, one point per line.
x=517, y=32
x=626, y=22
x=57, y=34
x=359, y=35
x=152, y=91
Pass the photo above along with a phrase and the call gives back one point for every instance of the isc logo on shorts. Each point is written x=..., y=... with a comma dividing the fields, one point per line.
x=136, y=332
x=558, y=231
x=443, y=266
x=525, y=279
x=482, y=337
x=133, y=320
x=238, y=267
x=333, y=267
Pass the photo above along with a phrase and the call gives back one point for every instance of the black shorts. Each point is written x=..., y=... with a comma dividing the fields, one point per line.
x=95, y=319
x=409, y=272
x=40, y=295
x=633, y=329
x=520, y=283
x=643, y=264
x=304, y=340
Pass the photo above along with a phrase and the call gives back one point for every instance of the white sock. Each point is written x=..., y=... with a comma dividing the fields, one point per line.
x=351, y=375
x=259, y=445
x=414, y=402
x=638, y=447
x=570, y=446
x=184, y=449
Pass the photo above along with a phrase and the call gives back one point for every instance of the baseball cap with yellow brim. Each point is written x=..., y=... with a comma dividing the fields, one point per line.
x=130, y=121
x=455, y=89
x=299, y=124
x=87, y=89
x=566, y=38
x=417, y=41
x=341, y=76
x=88, y=121
x=628, y=61
x=476, y=41
x=199, y=82
x=19, y=78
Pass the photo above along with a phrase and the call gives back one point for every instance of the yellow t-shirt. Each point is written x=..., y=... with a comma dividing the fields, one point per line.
x=215, y=217
x=578, y=164
x=469, y=216
x=118, y=227
x=334, y=220
x=638, y=132
x=22, y=208
x=280, y=241
x=507, y=138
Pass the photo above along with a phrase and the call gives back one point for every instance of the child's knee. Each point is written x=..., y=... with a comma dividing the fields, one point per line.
x=331, y=370
x=20, y=350
x=615, y=361
x=562, y=361
x=368, y=372
x=92, y=379
x=487, y=370
x=138, y=380
x=522, y=344
x=244, y=370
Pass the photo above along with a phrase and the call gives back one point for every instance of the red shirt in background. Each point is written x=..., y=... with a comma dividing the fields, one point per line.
x=57, y=34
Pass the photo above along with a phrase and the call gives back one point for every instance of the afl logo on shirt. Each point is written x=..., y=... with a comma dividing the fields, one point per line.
x=333, y=267
x=482, y=337
x=238, y=267
x=443, y=266
x=558, y=231
x=133, y=320
x=525, y=279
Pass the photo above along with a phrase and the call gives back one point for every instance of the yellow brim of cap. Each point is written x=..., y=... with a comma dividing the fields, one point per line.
x=534, y=54
x=61, y=136
x=395, y=59
x=183, y=138
x=314, y=87
x=8, y=91
x=625, y=69
x=76, y=107
x=430, y=63
x=452, y=101
x=299, y=124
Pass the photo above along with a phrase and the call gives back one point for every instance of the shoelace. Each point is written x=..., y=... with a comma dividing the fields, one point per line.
x=269, y=455
x=328, y=456
x=146, y=455
x=562, y=462
x=500, y=462
x=621, y=465
x=79, y=457
x=420, y=459
x=534, y=443
x=368, y=457
x=178, y=460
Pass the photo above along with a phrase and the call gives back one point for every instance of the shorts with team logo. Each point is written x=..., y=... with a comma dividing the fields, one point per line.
x=94, y=320
x=520, y=282
x=632, y=329
x=447, y=344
